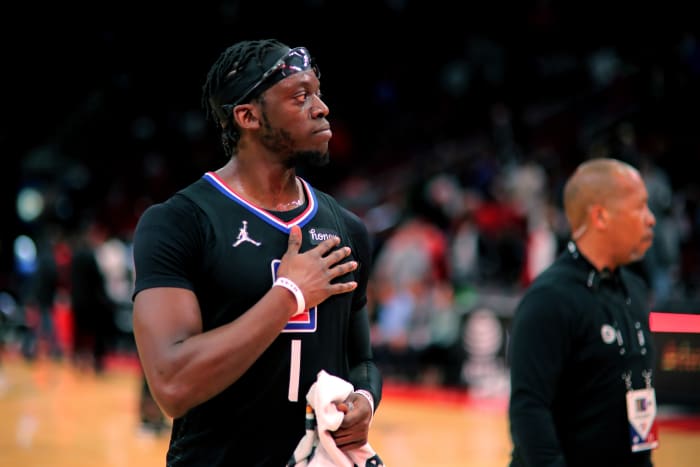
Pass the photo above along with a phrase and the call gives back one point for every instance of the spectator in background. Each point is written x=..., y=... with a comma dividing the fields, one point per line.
x=411, y=264
x=580, y=345
x=502, y=233
x=93, y=309
x=151, y=418
x=660, y=265
x=662, y=261
x=39, y=305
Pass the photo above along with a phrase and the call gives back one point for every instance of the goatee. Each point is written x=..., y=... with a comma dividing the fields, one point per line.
x=309, y=158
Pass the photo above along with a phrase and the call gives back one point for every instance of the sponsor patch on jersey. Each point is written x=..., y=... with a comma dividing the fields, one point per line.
x=316, y=236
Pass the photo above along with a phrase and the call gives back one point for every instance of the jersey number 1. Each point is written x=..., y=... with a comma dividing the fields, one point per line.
x=294, y=370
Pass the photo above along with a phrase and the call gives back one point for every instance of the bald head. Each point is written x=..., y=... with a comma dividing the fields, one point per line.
x=598, y=181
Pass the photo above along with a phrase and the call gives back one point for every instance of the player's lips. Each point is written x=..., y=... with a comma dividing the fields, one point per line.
x=326, y=130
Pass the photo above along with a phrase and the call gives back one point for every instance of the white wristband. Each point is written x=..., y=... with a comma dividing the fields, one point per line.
x=292, y=287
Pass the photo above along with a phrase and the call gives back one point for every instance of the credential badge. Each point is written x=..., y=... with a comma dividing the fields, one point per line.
x=607, y=332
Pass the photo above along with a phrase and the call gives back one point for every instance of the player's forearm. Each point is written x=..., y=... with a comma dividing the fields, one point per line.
x=367, y=376
x=197, y=368
x=364, y=373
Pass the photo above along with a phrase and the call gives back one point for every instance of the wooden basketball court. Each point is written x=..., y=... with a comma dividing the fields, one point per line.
x=53, y=415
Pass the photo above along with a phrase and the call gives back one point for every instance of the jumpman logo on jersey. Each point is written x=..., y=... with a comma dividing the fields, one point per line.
x=243, y=236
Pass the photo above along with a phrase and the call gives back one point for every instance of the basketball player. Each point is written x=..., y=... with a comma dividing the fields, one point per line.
x=250, y=281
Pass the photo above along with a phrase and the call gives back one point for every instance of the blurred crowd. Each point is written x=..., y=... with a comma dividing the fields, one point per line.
x=73, y=296
x=456, y=167
x=454, y=246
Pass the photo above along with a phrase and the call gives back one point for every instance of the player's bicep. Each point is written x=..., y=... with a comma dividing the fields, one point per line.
x=164, y=317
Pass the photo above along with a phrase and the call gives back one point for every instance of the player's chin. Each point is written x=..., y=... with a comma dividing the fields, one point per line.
x=321, y=148
x=320, y=158
x=313, y=157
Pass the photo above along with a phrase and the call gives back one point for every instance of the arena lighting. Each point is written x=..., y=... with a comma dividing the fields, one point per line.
x=30, y=204
x=25, y=255
x=674, y=322
x=8, y=305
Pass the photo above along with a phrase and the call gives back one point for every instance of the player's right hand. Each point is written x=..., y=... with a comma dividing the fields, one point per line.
x=314, y=270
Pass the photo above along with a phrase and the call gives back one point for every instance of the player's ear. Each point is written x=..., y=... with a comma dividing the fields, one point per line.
x=246, y=116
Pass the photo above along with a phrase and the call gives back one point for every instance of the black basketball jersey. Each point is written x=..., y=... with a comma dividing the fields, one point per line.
x=210, y=240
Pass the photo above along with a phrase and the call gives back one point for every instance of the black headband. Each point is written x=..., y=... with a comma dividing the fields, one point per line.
x=238, y=81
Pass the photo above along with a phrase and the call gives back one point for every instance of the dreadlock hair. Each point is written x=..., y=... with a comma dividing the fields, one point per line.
x=225, y=72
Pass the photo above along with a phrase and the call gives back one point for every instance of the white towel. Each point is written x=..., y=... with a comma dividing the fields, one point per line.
x=317, y=448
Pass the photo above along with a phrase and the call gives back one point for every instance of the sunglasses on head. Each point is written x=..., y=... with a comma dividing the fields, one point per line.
x=296, y=60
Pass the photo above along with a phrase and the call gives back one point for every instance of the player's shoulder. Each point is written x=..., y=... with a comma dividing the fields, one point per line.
x=352, y=221
x=197, y=190
x=175, y=210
